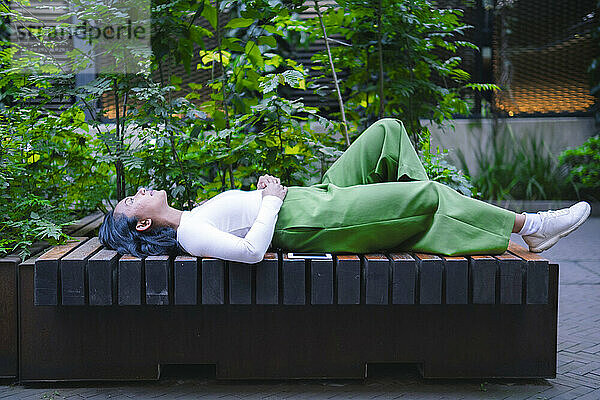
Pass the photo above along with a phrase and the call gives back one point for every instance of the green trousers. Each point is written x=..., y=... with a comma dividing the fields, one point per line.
x=377, y=197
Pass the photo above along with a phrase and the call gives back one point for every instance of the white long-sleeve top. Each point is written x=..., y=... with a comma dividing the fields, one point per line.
x=235, y=225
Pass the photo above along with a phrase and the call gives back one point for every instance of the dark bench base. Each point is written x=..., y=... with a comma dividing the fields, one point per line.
x=286, y=341
x=9, y=344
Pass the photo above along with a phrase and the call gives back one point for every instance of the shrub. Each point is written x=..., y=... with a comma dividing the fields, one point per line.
x=584, y=167
x=48, y=175
x=518, y=168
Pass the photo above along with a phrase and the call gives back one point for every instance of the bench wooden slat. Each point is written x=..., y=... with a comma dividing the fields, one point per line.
x=321, y=284
x=157, y=277
x=404, y=278
x=457, y=280
x=102, y=278
x=46, y=273
x=88, y=224
x=483, y=279
x=9, y=357
x=511, y=278
x=347, y=275
x=185, y=280
x=536, y=274
x=213, y=281
x=240, y=283
x=267, y=279
x=525, y=254
x=537, y=282
x=430, y=278
x=377, y=278
x=294, y=280
x=74, y=226
x=130, y=280
x=515, y=277
x=72, y=272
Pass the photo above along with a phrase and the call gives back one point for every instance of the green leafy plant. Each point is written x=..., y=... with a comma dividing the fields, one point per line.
x=511, y=167
x=584, y=167
x=439, y=169
x=401, y=59
x=48, y=175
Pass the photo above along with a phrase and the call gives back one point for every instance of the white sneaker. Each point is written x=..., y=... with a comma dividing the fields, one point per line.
x=557, y=224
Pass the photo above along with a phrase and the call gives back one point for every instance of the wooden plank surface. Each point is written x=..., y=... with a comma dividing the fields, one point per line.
x=321, y=284
x=46, y=273
x=213, y=281
x=347, y=275
x=536, y=275
x=158, y=278
x=457, y=280
x=130, y=284
x=267, y=279
x=483, y=279
x=186, y=280
x=102, y=278
x=404, y=278
x=9, y=361
x=240, y=283
x=430, y=278
x=89, y=224
x=75, y=227
x=511, y=278
x=294, y=280
x=377, y=278
x=72, y=273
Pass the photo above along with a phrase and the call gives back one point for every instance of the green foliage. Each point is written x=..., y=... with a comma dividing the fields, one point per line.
x=252, y=127
x=439, y=169
x=48, y=175
x=408, y=62
x=511, y=167
x=584, y=167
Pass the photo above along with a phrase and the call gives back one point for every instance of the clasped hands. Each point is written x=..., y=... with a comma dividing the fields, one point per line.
x=272, y=186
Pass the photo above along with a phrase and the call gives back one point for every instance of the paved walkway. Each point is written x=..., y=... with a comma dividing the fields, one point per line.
x=578, y=357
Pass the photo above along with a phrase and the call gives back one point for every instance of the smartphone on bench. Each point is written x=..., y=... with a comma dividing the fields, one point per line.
x=311, y=256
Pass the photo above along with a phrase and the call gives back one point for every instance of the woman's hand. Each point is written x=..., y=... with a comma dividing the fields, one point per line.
x=275, y=189
x=265, y=179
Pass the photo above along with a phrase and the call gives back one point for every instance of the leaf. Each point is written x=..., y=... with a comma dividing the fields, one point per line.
x=273, y=30
x=208, y=57
x=33, y=158
x=269, y=83
x=210, y=13
x=482, y=86
x=239, y=23
x=297, y=149
x=254, y=54
x=231, y=44
x=267, y=40
x=292, y=77
x=219, y=120
x=198, y=33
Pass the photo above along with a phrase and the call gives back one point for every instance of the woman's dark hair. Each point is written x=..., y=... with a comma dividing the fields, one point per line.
x=118, y=233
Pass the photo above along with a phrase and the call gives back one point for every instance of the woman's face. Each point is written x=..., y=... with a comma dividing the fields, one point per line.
x=145, y=204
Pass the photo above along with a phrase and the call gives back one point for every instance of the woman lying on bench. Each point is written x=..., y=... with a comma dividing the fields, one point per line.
x=375, y=197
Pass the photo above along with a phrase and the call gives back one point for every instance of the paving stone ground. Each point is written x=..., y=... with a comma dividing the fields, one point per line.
x=578, y=377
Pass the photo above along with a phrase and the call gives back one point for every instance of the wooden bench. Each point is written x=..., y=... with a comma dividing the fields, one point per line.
x=9, y=356
x=87, y=313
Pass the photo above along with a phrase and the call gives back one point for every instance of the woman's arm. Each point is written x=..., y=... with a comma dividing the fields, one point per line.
x=205, y=240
